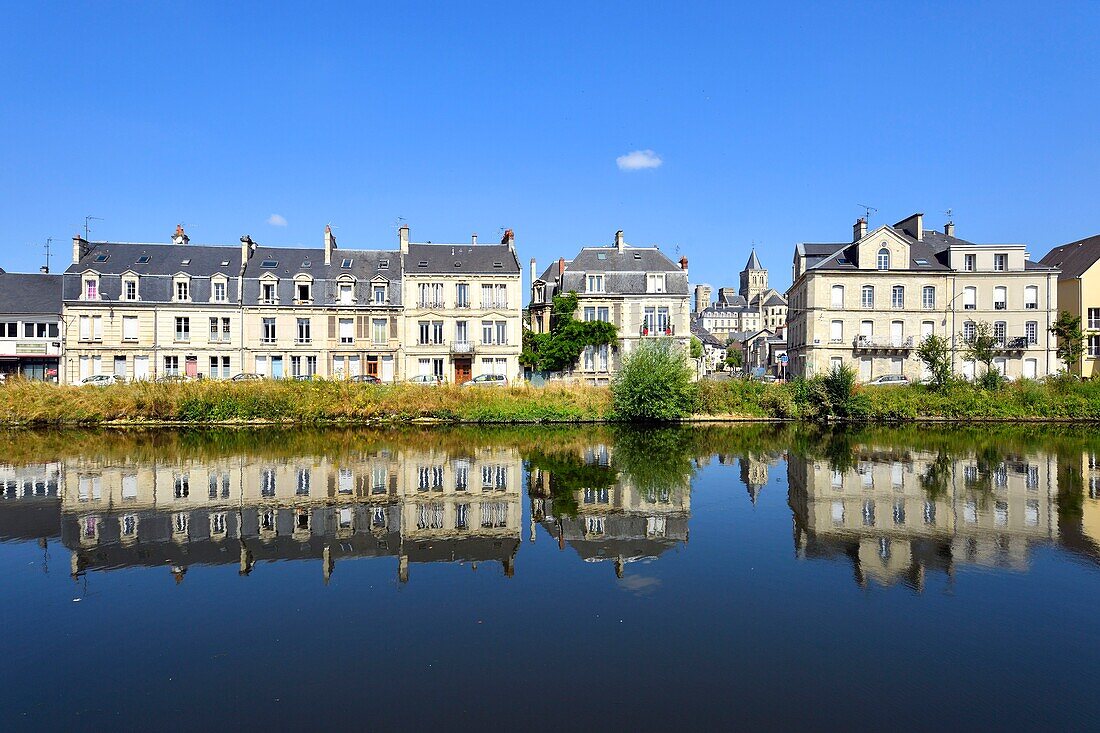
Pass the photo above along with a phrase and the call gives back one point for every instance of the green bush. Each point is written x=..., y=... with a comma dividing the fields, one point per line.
x=654, y=384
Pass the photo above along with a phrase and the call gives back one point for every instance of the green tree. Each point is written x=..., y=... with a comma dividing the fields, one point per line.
x=655, y=384
x=1071, y=340
x=734, y=358
x=982, y=347
x=559, y=349
x=696, y=348
x=935, y=352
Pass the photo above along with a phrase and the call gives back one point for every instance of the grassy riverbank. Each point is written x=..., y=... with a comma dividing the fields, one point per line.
x=35, y=403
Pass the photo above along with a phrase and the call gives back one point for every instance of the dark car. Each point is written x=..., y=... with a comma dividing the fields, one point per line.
x=366, y=379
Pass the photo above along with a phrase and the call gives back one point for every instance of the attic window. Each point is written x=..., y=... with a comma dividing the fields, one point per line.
x=422, y=263
x=225, y=263
x=345, y=264
x=498, y=264
x=922, y=263
x=458, y=264
x=383, y=264
x=601, y=255
x=143, y=260
x=637, y=255
x=186, y=261
x=306, y=263
x=842, y=260
x=102, y=258
x=269, y=264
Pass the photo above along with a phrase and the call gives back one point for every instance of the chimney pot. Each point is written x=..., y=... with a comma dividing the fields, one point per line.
x=684, y=263
x=473, y=238
x=534, y=270
x=619, y=242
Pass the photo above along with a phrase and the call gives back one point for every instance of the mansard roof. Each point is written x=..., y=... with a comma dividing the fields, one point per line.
x=457, y=259
x=30, y=294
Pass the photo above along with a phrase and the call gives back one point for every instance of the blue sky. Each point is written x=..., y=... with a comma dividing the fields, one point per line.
x=771, y=124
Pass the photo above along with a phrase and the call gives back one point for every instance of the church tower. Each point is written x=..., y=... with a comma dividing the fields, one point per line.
x=754, y=278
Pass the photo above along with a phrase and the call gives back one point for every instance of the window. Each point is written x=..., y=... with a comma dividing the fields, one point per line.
x=129, y=328
x=379, y=330
x=305, y=335
x=182, y=486
x=486, y=332
x=1031, y=332
x=183, y=328
x=219, y=291
x=462, y=295
x=589, y=313
x=836, y=332
x=603, y=313
x=969, y=262
x=347, y=330
x=345, y=264
x=462, y=333
x=867, y=296
x=970, y=330
x=430, y=295
x=431, y=332
x=1094, y=317
x=1031, y=297
x=305, y=292
x=1000, y=262
x=379, y=294
x=267, y=331
x=183, y=290
x=502, y=332
x=129, y=289
x=303, y=365
x=999, y=332
x=928, y=297
x=269, y=264
x=267, y=293
x=970, y=298
x=897, y=297
x=91, y=328
x=1000, y=298
x=91, y=289
x=1094, y=346
x=883, y=261
x=345, y=293
x=302, y=486
x=267, y=482
x=838, y=296
x=171, y=365
x=594, y=284
x=655, y=283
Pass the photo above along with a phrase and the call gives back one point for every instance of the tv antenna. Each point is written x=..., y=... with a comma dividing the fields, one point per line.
x=86, y=220
x=868, y=211
x=399, y=222
x=949, y=214
x=49, y=240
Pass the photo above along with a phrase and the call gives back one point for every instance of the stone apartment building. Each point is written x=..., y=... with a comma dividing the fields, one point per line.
x=142, y=311
x=31, y=328
x=1079, y=293
x=868, y=303
x=462, y=308
x=639, y=289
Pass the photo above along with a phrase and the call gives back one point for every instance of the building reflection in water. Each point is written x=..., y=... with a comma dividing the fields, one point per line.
x=414, y=505
x=898, y=513
x=605, y=514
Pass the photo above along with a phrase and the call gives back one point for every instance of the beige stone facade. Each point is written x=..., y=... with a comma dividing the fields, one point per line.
x=869, y=303
x=1079, y=294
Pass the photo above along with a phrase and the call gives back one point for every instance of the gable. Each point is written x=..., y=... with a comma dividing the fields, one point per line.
x=883, y=238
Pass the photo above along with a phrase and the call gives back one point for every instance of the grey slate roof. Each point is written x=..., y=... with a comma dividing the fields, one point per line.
x=624, y=272
x=451, y=259
x=365, y=266
x=754, y=261
x=30, y=294
x=1074, y=258
x=155, y=276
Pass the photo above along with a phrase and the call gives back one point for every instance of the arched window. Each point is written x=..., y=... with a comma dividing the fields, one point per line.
x=838, y=296
x=867, y=296
x=884, y=259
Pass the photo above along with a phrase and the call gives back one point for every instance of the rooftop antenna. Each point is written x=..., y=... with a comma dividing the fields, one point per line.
x=86, y=229
x=399, y=222
x=868, y=211
x=49, y=240
x=949, y=214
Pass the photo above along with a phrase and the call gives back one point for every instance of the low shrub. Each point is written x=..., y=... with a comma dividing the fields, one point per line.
x=655, y=384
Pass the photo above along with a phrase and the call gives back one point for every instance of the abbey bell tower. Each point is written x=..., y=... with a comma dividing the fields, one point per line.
x=754, y=278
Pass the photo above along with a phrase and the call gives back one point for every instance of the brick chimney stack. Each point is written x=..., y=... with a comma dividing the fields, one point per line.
x=509, y=238
x=180, y=237
x=684, y=263
x=80, y=247
x=859, y=229
x=561, y=267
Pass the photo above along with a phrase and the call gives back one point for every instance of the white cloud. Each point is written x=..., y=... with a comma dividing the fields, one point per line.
x=276, y=220
x=638, y=160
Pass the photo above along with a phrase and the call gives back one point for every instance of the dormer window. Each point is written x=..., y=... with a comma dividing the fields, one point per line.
x=345, y=293
x=383, y=264
x=884, y=259
x=267, y=293
x=594, y=284
x=1000, y=262
x=91, y=288
x=129, y=288
x=219, y=289
x=304, y=291
x=655, y=283
x=379, y=291
x=183, y=290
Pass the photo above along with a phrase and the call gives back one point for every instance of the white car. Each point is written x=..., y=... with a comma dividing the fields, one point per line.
x=426, y=380
x=487, y=380
x=889, y=380
x=101, y=380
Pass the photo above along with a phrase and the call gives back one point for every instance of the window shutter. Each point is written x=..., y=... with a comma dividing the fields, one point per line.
x=360, y=327
x=393, y=483
x=332, y=328
x=393, y=327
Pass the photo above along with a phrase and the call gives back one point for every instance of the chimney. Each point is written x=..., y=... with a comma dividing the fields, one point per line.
x=534, y=271
x=561, y=268
x=684, y=263
x=859, y=229
x=473, y=239
x=403, y=238
x=45, y=270
x=80, y=248
x=509, y=238
x=949, y=228
x=247, y=248
x=180, y=237
x=619, y=243
x=330, y=244
x=913, y=225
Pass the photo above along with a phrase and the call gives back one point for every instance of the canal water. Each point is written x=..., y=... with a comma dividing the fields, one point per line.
x=551, y=579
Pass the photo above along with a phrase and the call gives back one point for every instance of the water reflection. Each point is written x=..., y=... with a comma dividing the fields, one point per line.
x=895, y=504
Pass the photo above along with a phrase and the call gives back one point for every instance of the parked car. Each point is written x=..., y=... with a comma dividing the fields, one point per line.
x=366, y=379
x=175, y=379
x=303, y=377
x=889, y=380
x=101, y=380
x=245, y=377
x=487, y=380
x=426, y=380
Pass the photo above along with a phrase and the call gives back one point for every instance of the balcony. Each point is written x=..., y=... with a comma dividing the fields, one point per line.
x=661, y=329
x=462, y=347
x=433, y=304
x=1019, y=343
x=877, y=343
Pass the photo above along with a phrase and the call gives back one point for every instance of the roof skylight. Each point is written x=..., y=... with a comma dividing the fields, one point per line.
x=269, y=264
x=143, y=260
x=102, y=258
x=346, y=264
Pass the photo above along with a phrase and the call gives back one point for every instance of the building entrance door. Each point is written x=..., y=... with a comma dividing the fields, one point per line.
x=276, y=367
x=463, y=371
x=191, y=366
